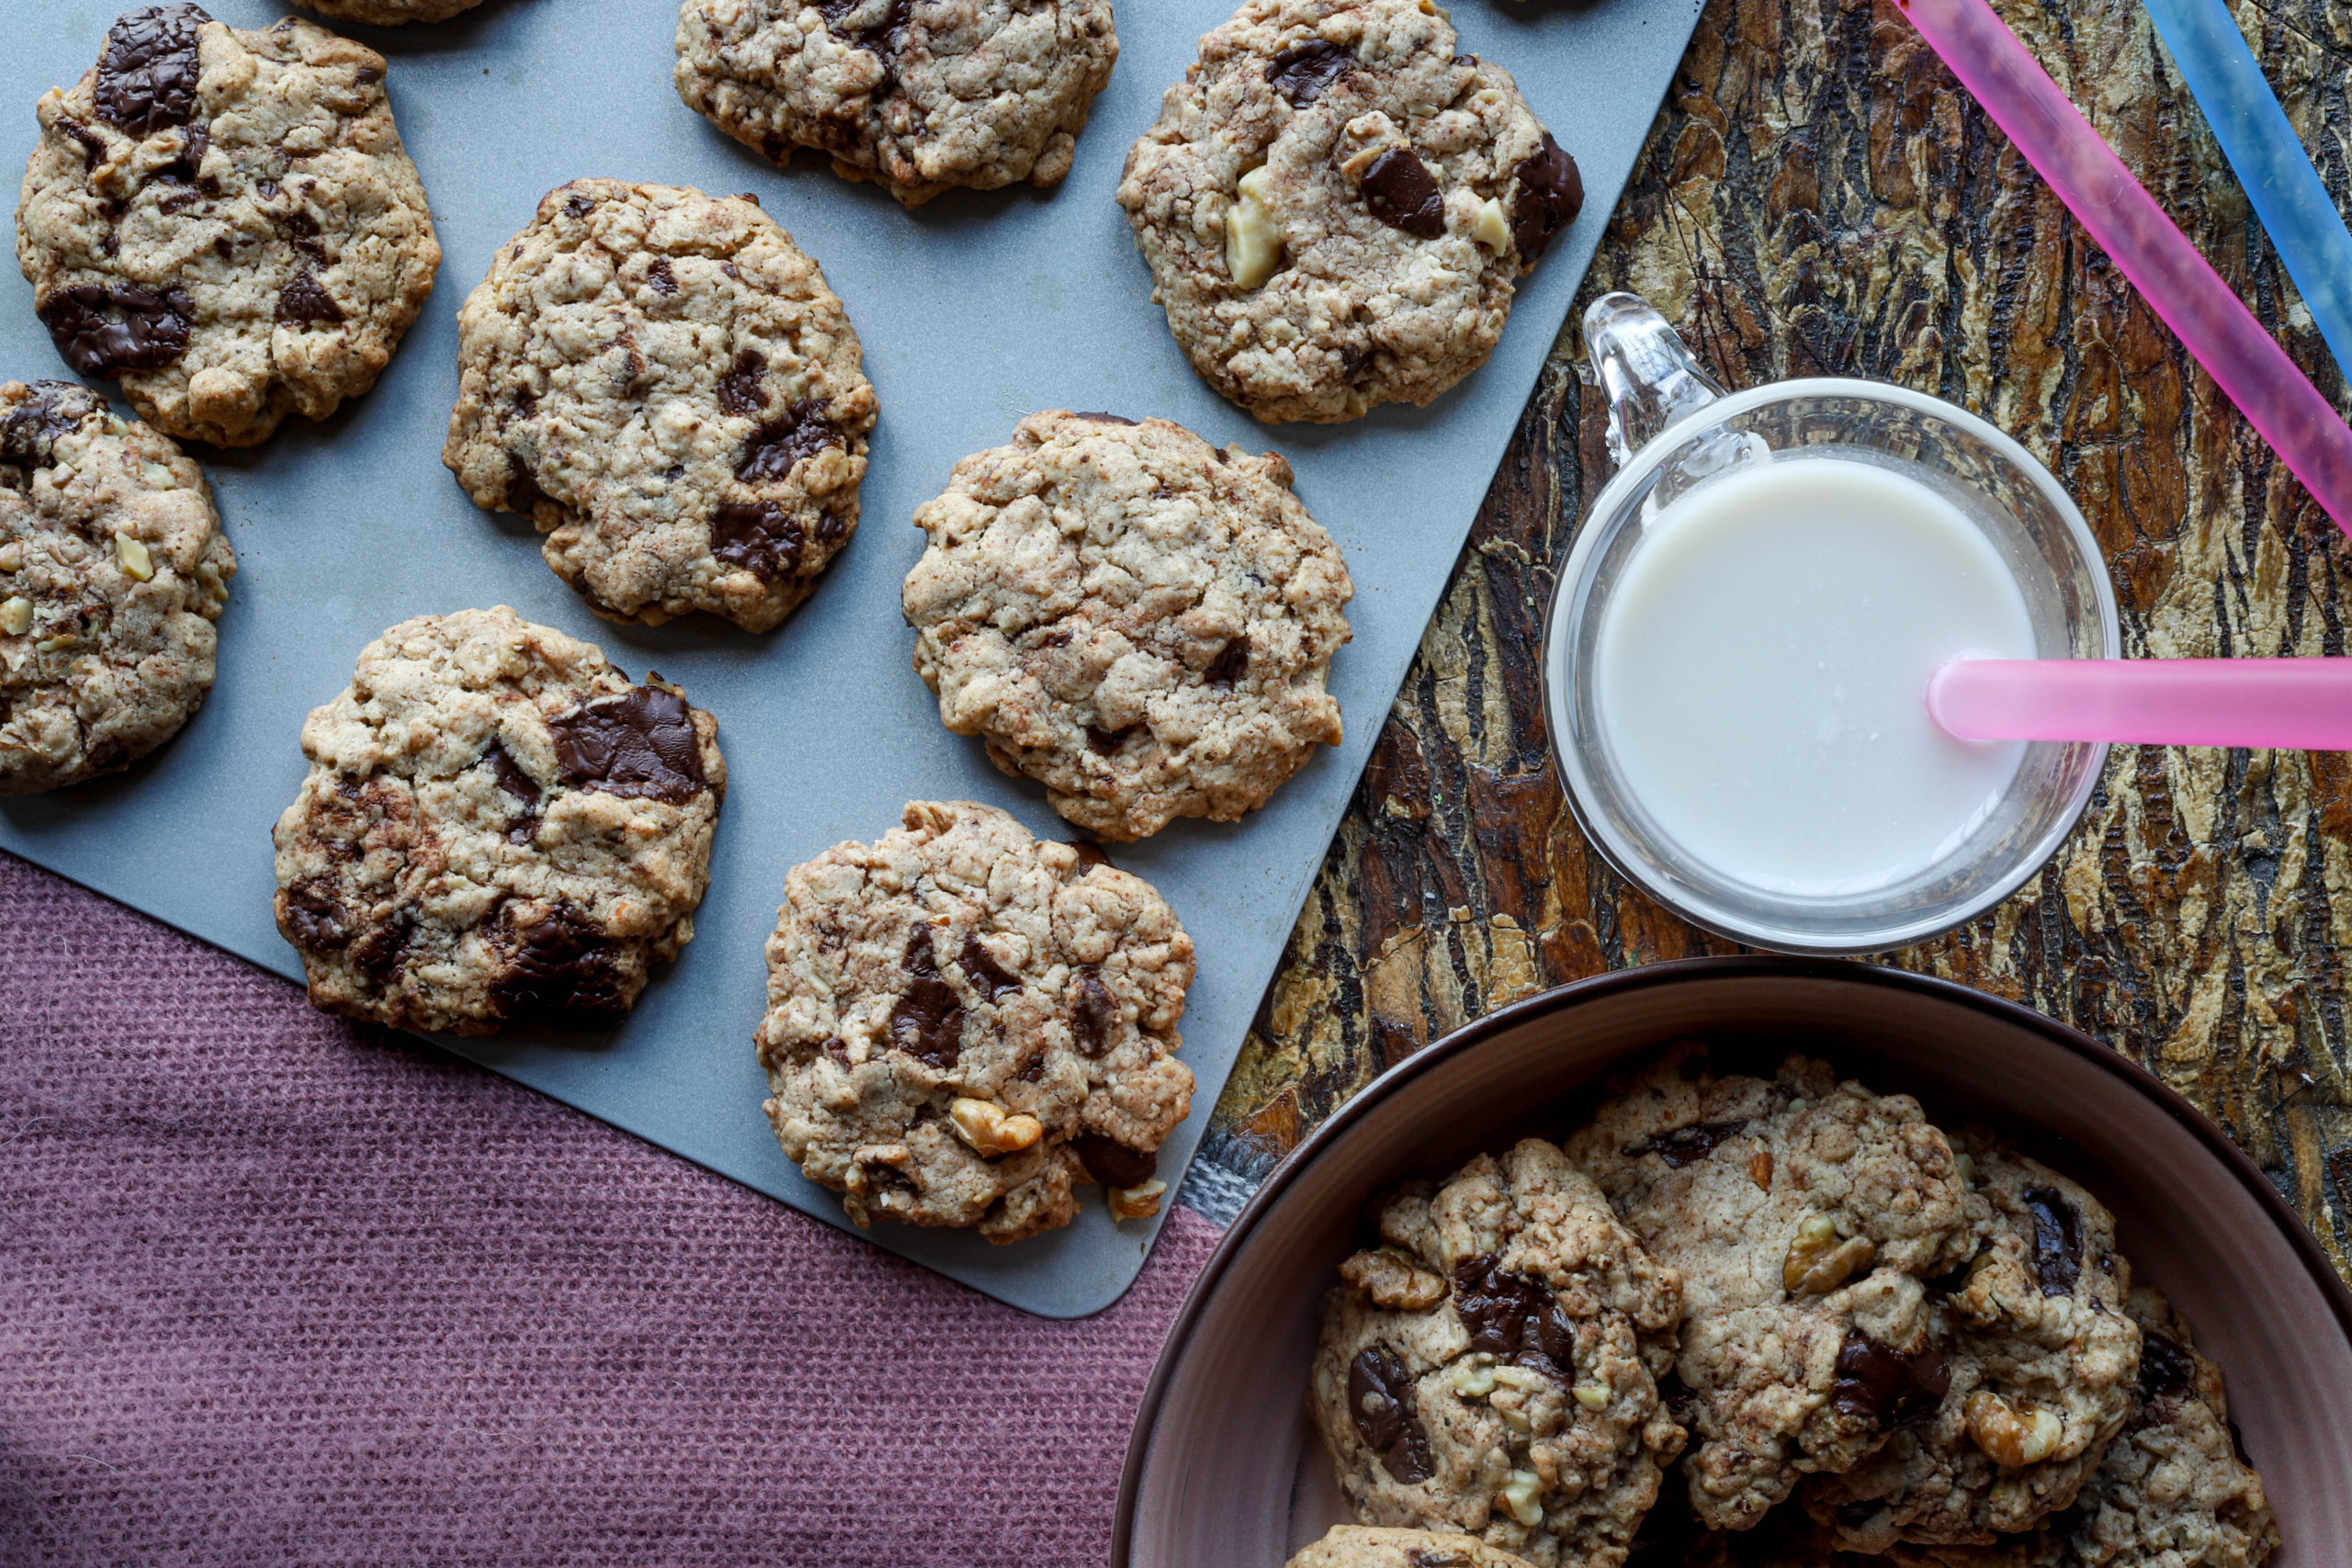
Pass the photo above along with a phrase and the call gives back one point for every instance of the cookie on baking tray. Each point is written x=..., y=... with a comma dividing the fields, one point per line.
x=224, y=221
x=498, y=828
x=1491, y=1367
x=661, y=382
x=1137, y=620
x=1361, y=1546
x=1337, y=207
x=388, y=12
x=964, y=1023
x=917, y=95
x=113, y=569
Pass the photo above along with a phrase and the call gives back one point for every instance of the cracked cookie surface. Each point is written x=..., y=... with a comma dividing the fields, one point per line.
x=1336, y=207
x=1135, y=619
x=224, y=222
x=1492, y=1367
x=1359, y=1546
x=917, y=95
x=661, y=382
x=1804, y=1215
x=966, y=1022
x=113, y=569
x=498, y=828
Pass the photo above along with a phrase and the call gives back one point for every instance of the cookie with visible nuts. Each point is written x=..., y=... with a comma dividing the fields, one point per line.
x=498, y=829
x=966, y=1023
x=1337, y=207
x=224, y=221
x=661, y=381
x=917, y=95
x=113, y=569
x=1135, y=619
x=2041, y=1358
x=1492, y=1367
x=1358, y=1546
x=1804, y=1216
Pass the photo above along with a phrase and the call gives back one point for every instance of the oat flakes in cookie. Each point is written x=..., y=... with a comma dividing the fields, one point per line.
x=966, y=1023
x=661, y=381
x=1337, y=205
x=1491, y=1367
x=1359, y=1546
x=223, y=222
x=1135, y=619
x=498, y=828
x=917, y=95
x=2042, y=1357
x=1805, y=1215
x=112, y=570
x=388, y=12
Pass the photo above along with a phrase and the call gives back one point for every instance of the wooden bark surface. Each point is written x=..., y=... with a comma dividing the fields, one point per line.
x=1819, y=196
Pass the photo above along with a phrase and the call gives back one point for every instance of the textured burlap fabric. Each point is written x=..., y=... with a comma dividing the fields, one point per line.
x=274, y=1290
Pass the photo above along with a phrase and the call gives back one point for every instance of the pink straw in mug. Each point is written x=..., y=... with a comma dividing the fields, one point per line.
x=2126, y=222
x=2299, y=703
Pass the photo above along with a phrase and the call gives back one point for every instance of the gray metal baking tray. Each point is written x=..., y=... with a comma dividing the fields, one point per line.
x=974, y=311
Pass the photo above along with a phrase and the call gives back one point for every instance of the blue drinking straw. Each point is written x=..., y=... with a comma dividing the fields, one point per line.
x=2267, y=158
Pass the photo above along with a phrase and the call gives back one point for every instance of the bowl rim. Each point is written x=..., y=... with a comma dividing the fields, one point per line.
x=1477, y=1030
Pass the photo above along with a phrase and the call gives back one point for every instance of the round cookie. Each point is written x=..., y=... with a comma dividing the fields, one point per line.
x=1492, y=1367
x=661, y=382
x=1358, y=1546
x=1804, y=1215
x=2041, y=1358
x=112, y=570
x=497, y=828
x=388, y=12
x=917, y=95
x=1337, y=207
x=1138, y=621
x=965, y=1023
x=223, y=220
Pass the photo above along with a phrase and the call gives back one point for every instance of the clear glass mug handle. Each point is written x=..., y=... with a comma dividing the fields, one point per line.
x=1649, y=378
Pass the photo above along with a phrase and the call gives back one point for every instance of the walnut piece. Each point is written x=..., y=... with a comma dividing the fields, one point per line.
x=1393, y=1280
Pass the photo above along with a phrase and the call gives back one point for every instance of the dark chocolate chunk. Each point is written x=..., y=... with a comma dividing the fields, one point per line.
x=2164, y=1368
x=1094, y=1012
x=1089, y=853
x=522, y=491
x=2057, y=1240
x=379, y=953
x=102, y=329
x=928, y=1021
x=1231, y=666
x=802, y=431
x=1687, y=1145
x=1892, y=1388
x=1399, y=191
x=740, y=390
x=511, y=778
x=559, y=971
x=316, y=920
x=1106, y=742
x=93, y=145
x=984, y=972
x=659, y=274
x=147, y=75
x=304, y=301
x=1112, y=1163
x=1387, y=1415
x=1104, y=418
x=579, y=205
x=1302, y=72
x=1551, y=194
x=1514, y=1316
x=369, y=75
x=182, y=170
x=887, y=31
x=29, y=435
x=758, y=536
x=640, y=744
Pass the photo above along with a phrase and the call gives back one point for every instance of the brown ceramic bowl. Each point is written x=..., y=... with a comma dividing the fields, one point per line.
x=1225, y=1467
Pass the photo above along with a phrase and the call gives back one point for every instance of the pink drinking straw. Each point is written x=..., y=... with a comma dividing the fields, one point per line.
x=2126, y=222
x=2302, y=704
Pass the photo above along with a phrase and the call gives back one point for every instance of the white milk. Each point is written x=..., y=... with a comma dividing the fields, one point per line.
x=1761, y=668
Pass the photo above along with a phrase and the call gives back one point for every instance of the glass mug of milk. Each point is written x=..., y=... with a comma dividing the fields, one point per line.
x=1737, y=657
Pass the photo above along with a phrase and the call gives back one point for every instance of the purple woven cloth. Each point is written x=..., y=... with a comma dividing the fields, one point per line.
x=274, y=1290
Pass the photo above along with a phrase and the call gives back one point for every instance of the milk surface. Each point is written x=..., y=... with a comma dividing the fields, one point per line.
x=1761, y=670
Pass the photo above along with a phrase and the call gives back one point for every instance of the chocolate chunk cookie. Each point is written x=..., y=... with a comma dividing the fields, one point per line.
x=388, y=12
x=1138, y=621
x=917, y=96
x=1337, y=207
x=2041, y=1360
x=1356, y=1546
x=1492, y=1367
x=223, y=222
x=1805, y=1215
x=661, y=381
x=497, y=828
x=965, y=1022
x=112, y=570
